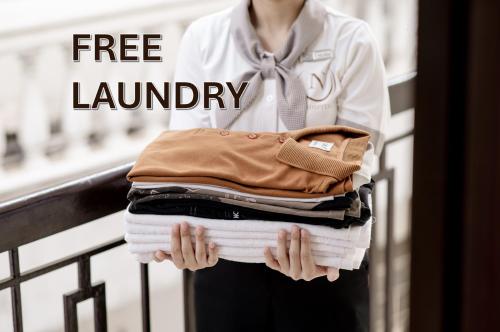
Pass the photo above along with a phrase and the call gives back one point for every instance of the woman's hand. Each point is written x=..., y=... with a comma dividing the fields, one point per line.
x=182, y=253
x=297, y=262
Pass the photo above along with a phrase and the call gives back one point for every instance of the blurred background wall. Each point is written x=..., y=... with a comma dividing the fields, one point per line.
x=43, y=142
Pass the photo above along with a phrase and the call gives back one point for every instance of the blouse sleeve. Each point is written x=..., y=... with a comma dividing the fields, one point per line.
x=364, y=100
x=189, y=68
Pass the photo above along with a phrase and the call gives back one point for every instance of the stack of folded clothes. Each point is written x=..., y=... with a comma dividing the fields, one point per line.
x=244, y=187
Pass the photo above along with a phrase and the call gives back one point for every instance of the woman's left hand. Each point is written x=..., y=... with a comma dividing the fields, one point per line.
x=297, y=262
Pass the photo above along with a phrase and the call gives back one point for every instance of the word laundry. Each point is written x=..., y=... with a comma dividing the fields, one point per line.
x=187, y=95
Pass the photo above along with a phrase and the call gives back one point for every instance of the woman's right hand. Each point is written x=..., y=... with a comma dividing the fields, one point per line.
x=183, y=255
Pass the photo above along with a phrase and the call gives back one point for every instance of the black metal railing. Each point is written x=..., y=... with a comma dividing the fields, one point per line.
x=401, y=91
x=51, y=211
x=87, y=199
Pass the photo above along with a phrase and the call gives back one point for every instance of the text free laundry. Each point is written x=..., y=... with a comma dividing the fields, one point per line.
x=127, y=98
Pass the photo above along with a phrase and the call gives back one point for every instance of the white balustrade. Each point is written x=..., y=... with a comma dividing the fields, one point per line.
x=11, y=83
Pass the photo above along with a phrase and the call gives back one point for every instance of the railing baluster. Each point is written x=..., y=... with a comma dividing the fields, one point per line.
x=17, y=313
x=374, y=259
x=189, y=309
x=389, y=253
x=70, y=315
x=100, y=315
x=11, y=81
x=84, y=273
x=146, y=315
x=85, y=291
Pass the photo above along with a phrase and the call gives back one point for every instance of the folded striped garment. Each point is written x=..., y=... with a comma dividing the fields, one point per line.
x=139, y=190
x=245, y=240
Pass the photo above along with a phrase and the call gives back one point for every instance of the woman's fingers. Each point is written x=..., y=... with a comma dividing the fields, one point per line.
x=175, y=242
x=309, y=269
x=332, y=274
x=213, y=256
x=182, y=253
x=270, y=261
x=294, y=253
x=160, y=256
x=201, y=253
x=157, y=256
x=296, y=262
x=187, y=247
x=282, y=254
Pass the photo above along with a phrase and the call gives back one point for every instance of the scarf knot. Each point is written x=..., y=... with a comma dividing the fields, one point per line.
x=268, y=66
x=290, y=92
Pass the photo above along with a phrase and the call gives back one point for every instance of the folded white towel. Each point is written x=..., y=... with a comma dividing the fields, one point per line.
x=138, y=240
x=141, y=248
x=245, y=240
x=164, y=231
x=357, y=234
x=340, y=262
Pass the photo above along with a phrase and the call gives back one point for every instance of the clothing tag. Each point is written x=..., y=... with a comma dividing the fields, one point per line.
x=317, y=55
x=325, y=146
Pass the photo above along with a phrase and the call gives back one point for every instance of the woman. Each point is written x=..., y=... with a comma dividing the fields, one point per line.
x=307, y=66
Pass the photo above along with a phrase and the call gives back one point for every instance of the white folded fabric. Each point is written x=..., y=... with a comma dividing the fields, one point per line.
x=164, y=231
x=142, y=241
x=245, y=240
x=349, y=262
x=141, y=248
x=360, y=235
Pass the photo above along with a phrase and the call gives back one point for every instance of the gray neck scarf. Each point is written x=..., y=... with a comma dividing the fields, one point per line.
x=291, y=94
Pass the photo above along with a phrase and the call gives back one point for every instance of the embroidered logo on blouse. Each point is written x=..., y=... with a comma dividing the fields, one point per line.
x=319, y=85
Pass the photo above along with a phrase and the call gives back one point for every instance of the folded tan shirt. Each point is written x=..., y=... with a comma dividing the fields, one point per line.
x=311, y=162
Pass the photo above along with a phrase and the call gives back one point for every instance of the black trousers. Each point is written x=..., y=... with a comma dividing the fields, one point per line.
x=238, y=297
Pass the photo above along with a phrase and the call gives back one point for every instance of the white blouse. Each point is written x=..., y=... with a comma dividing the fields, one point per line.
x=343, y=73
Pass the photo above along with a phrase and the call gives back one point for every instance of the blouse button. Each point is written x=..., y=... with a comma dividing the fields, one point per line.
x=252, y=136
x=224, y=132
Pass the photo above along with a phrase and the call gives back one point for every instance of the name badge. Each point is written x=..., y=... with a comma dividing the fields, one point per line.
x=318, y=55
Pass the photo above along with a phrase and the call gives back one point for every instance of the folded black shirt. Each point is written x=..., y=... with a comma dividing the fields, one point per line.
x=217, y=210
x=339, y=203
